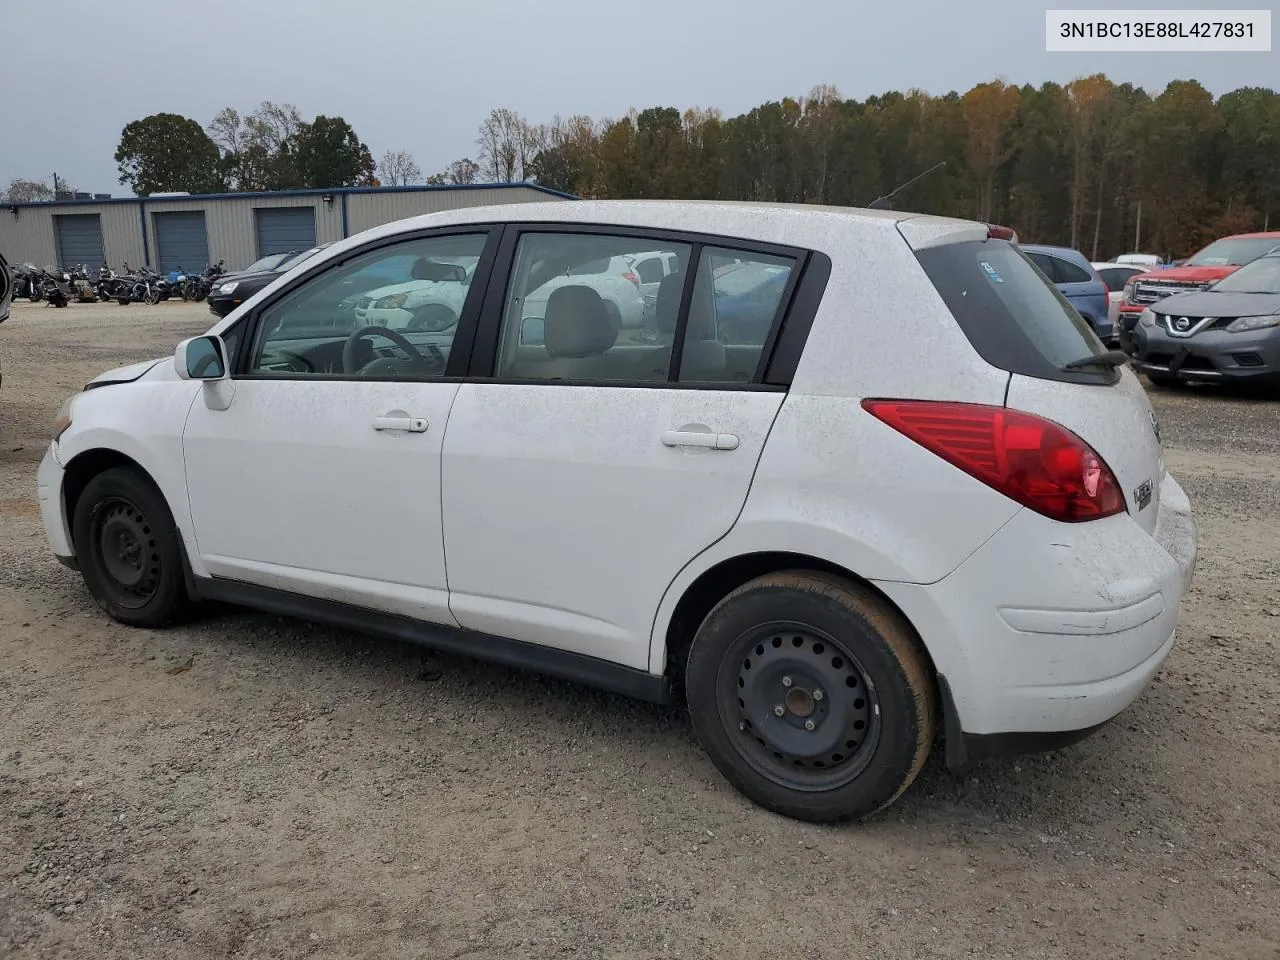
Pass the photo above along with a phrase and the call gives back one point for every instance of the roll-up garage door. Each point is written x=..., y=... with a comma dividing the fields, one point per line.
x=282, y=229
x=182, y=241
x=79, y=239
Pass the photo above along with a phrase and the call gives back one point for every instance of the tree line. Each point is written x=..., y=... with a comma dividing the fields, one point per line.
x=1099, y=166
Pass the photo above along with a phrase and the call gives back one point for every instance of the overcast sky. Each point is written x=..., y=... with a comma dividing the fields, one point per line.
x=420, y=75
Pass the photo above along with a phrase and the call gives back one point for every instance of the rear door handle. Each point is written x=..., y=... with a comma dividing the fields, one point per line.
x=690, y=438
x=408, y=424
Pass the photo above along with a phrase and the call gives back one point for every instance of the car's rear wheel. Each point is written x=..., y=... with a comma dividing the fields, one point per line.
x=812, y=696
x=129, y=549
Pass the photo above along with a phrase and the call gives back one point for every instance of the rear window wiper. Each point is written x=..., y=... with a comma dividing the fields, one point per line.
x=1112, y=358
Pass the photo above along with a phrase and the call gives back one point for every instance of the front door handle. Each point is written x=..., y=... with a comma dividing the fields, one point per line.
x=408, y=424
x=692, y=438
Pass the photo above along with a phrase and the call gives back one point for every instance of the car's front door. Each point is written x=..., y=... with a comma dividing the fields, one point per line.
x=585, y=468
x=321, y=476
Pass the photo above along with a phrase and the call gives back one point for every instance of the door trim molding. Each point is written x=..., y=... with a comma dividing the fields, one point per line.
x=562, y=664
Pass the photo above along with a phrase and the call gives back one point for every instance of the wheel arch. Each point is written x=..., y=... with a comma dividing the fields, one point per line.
x=723, y=577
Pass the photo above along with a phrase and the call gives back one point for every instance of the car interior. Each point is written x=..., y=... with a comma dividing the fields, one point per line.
x=578, y=339
x=315, y=331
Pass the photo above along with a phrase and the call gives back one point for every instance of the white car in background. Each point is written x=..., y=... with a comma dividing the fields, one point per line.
x=652, y=268
x=613, y=278
x=432, y=300
x=1115, y=275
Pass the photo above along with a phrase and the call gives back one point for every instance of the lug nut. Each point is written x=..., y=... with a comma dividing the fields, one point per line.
x=742, y=725
x=779, y=710
x=808, y=724
x=786, y=681
x=817, y=694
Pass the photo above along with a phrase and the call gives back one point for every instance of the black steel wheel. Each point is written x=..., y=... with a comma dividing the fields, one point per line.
x=812, y=696
x=128, y=548
x=806, y=710
x=129, y=551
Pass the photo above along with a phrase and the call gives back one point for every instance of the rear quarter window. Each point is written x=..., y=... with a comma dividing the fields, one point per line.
x=1011, y=313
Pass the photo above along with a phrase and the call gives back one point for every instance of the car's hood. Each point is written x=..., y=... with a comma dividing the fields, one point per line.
x=125, y=374
x=1187, y=273
x=261, y=275
x=1211, y=303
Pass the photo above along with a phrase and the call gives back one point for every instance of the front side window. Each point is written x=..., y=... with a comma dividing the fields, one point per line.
x=575, y=310
x=392, y=312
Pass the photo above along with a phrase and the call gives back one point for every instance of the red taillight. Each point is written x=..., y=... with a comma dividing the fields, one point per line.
x=997, y=232
x=633, y=278
x=1036, y=462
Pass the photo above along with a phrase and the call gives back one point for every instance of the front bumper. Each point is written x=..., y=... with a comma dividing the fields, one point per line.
x=1051, y=629
x=57, y=529
x=221, y=306
x=1209, y=356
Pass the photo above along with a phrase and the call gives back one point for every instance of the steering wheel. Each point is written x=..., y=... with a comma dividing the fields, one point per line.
x=389, y=366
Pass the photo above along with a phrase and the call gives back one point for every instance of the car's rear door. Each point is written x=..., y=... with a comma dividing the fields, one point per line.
x=583, y=468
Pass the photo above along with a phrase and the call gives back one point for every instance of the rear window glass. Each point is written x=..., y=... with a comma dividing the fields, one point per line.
x=1012, y=314
x=586, y=269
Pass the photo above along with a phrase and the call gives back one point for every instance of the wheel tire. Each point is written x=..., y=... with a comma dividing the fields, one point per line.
x=141, y=581
x=821, y=633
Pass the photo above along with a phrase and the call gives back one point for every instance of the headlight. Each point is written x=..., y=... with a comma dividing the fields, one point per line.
x=63, y=419
x=1253, y=323
x=391, y=302
x=1148, y=318
x=229, y=287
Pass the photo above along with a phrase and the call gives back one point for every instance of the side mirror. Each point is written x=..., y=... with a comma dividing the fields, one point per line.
x=532, y=332
x=201, y=358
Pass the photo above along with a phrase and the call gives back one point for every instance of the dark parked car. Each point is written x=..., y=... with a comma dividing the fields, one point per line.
x=1231, y=331
x=1074, y=276
x=6, y=292
x=234, y=289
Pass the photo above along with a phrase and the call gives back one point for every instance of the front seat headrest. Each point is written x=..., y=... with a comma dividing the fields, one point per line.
x=577, y=323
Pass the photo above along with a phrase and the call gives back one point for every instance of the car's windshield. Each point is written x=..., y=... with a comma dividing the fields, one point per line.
x=296, y=258
x=1233, y=251
x=269, y=262
x=1260, y=276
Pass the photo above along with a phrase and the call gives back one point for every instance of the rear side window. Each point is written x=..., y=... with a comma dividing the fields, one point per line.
x=1068, y=272
x=1012, y=314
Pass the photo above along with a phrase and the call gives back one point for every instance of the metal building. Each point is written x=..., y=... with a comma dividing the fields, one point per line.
x=169, y=232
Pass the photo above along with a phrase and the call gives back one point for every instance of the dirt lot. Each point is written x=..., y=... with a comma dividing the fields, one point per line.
x=307, y=792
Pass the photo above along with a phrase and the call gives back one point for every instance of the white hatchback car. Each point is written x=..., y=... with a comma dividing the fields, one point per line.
x=831, y=556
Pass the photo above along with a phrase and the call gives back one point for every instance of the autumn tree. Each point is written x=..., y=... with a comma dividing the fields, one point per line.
x=398, y=169
x=990, y=111
x=327, y=153
x=508, y=143
x=167, y=152
x=253, y=147
x=458, y=173
x=26, y=191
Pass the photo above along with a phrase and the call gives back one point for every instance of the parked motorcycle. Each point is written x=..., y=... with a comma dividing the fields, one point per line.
x=56, y=285
x=82, y=284
x=105, y=284
x=196, y=288
x=27, y=282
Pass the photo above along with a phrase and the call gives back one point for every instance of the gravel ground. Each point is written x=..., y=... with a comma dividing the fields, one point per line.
x=252, y=786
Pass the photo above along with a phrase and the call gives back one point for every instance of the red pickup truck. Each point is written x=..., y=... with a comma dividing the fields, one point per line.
x=1211, y=264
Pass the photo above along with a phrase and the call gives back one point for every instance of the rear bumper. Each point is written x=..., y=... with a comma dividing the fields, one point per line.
x=1050, y=630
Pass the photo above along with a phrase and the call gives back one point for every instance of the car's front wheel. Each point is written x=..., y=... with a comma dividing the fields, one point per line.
x=812, y=696
x=129, y=549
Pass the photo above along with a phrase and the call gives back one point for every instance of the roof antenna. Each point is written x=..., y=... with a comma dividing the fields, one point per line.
x=886, y=202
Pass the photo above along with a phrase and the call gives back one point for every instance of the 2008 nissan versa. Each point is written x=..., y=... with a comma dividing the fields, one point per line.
x=834, y=548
